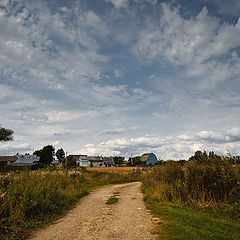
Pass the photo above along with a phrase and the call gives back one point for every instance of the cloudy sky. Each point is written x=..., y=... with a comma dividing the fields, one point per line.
x=121, y=77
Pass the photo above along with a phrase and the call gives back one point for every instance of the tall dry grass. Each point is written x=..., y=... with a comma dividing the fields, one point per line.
x=213, y=182
x=30, y=198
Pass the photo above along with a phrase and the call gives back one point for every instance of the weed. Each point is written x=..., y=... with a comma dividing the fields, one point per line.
x=112, y=200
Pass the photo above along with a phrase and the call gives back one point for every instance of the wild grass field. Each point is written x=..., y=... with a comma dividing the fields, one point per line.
x=197, y=200
x=120, y=170
x=29, y=199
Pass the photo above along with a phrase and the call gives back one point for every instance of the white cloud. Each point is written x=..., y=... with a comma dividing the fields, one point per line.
x=229, y=8
x=117, y=73
x=118, y=3
x=235, y=132
x=199, y=44
x=3, y=3
x=55, y=87
x=181, y=147
x=60, y=116
x=181, y=41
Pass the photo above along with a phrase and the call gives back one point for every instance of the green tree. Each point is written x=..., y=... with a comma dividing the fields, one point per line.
x=134, y=161
x=46, y=154
x=118, y=160
x=6, y=134
x=60, y=154
x=69, y=161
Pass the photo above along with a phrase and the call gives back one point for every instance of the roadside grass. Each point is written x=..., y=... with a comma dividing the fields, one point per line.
x=182, y=223
x=31, y=199
x=196, y=201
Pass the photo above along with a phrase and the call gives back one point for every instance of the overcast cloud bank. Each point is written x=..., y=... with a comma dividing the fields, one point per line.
x=120, y=77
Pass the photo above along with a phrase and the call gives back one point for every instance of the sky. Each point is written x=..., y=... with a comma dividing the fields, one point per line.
x=121, y=77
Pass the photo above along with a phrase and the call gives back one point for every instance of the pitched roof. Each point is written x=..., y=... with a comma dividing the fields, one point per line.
x=22, y=164
x=8, y=158
x=108, y=159
x=144, y=157
x=91, y=158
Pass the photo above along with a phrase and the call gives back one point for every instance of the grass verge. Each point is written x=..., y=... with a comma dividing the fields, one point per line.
x=184, y=223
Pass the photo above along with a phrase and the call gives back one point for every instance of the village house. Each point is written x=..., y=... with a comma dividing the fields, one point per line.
x=6, y=160
x=92, y=161
x=148, y=159
x=25, y=162
x=19, y=162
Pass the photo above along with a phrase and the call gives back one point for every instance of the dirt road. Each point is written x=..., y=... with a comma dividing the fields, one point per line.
x=93, y=219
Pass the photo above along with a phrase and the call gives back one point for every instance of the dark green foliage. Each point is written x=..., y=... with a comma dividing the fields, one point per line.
x=69, y=162
x=60, y=154
x=134, y=161
x=6, y=134
x=46, y=154
x=118, y=160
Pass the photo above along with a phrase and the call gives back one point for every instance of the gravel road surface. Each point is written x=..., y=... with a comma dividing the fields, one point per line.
x=93, y=219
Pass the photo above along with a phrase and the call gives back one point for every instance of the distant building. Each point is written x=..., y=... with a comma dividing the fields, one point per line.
x=25, y=162
x=108, y=161
x=6, y=160
x=27, y=159
x=19, y=162
x=92, y=161
x=148, y=159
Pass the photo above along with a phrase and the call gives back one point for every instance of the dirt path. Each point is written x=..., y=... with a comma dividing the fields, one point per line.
x=93, y=219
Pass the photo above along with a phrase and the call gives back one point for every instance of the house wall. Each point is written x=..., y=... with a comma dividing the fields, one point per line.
x=97, y=164
x=83, y=163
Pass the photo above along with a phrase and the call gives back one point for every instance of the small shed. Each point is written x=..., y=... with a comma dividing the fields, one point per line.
x=148, y=159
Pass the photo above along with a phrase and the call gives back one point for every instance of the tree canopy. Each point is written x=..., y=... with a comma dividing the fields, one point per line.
x=60, y=154
x=134, y=161
x=118, y=160
x=46, y=154
x=6, y=134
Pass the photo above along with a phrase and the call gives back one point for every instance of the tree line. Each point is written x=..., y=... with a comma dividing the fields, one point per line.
x=47, y=154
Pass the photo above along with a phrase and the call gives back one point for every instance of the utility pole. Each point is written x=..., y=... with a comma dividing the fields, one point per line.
x=66, y=160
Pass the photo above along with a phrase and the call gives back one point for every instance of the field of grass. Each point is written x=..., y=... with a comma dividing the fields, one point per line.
x=195, y=200
x=30, y=199
x=185, y=223
x=121, y=170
